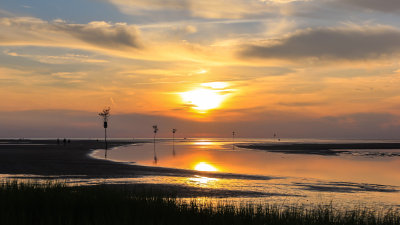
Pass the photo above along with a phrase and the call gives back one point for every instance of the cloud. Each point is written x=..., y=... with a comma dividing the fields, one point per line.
x=188, y=29
x=69, y=75
x=350, y=43
x=204, y=9
x=375, y=5
x=5, y=13
x=102, y=34
x=57, y=59
x=80, y=124
x=97, y=34
x=299, y=104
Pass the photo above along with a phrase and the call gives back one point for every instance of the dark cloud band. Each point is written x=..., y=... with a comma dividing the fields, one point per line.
x=349, y=43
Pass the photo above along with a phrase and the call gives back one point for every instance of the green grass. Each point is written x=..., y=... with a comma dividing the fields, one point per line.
x=55, y=203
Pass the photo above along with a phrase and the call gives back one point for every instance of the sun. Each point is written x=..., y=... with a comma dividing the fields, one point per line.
x=209, y=96
x=203, y=99
x=202, y=166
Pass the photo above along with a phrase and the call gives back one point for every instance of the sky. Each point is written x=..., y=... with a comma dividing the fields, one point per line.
x=298, y=68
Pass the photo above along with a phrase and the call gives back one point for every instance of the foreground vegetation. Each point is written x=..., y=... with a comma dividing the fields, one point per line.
x=55, y=203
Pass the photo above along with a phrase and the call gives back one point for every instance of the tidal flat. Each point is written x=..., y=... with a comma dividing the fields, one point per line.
x=54, y=203
x=211, y=174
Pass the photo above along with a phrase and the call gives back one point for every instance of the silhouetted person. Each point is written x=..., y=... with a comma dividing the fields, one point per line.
x=69, y=140
x=155, y=160
x=65, y=141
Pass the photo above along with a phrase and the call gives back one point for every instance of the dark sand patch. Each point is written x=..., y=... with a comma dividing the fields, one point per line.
x=182, y=191
x=346, y=187
x=318, y=148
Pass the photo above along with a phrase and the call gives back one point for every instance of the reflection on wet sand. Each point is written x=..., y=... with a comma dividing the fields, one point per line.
x=203, y=181
x=348, y=178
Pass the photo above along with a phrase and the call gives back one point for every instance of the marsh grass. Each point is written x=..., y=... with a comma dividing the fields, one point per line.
x=55, y=203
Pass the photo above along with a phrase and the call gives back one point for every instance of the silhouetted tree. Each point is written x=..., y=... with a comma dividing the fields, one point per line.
x=173, y=133
x=105, y=115
x=155, y=130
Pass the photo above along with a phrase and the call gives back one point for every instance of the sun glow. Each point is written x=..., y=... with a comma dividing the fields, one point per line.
x=203, y=99
x=202, y=166
x=209, y=96
x=216, y=85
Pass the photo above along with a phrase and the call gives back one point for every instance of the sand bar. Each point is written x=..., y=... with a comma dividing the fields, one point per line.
x=319, y=148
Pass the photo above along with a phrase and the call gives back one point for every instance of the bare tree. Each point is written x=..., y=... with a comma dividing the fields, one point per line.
x=173, y=134
x=105, y=115
x=155, y=130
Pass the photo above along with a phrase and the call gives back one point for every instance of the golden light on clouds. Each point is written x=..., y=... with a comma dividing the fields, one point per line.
x=202, y=71
x=207, y=97
x=215, y=85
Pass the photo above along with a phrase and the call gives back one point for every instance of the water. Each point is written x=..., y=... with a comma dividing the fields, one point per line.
x=358, y=177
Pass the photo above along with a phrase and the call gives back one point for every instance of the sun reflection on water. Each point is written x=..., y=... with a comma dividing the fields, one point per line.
x=204, y=143
x=203, y=166
x=202, y=181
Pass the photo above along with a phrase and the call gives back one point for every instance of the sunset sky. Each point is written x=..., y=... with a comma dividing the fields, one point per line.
x=306, y=68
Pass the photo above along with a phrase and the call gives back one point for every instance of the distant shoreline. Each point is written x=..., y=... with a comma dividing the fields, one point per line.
x=318, y=148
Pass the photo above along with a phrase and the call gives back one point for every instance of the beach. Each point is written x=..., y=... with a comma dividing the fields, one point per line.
x=48, y=160
x=320, y=148
x=252, y=169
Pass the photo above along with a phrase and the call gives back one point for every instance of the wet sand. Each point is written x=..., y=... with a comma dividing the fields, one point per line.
x=319, y=148
x=45, y=159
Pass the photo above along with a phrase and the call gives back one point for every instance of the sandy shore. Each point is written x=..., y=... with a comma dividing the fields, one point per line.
x=47, y=158
x=319, y=148
x=58, y=161
x=72, y=160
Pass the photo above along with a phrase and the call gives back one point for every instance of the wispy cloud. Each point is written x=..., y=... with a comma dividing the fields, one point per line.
x=234, y=9
x=376, y=5
x=57, y=59
x=102, y=34
x=94, y=35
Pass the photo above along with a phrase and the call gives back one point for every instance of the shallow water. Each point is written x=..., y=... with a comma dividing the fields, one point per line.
x=359, y=177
